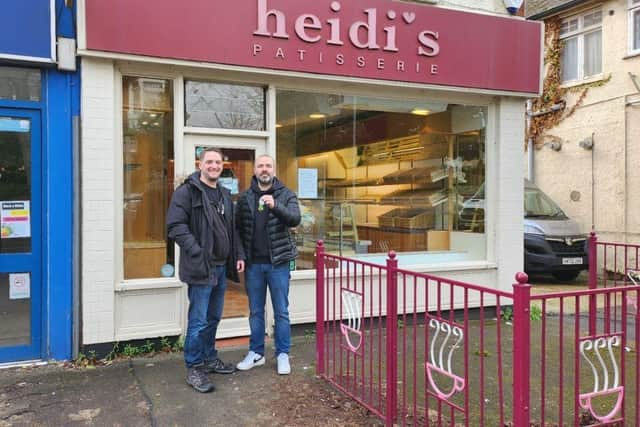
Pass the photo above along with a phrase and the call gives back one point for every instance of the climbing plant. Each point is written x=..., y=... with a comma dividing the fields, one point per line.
x=553, y=93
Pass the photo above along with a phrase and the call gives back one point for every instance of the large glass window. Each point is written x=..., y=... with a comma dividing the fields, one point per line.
x=377, y=174
x=581, y=37
x=634, y=26
x=225, y=106
x=148, y=176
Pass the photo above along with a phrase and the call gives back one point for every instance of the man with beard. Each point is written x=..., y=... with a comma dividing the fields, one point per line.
x=265, y=214
x=201, y=221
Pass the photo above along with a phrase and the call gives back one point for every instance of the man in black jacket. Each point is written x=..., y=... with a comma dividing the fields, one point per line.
x=264, y=216
x=201, y=221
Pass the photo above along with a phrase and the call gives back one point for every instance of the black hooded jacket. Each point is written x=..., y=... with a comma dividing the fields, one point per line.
x=190, y=224
x=284, y=216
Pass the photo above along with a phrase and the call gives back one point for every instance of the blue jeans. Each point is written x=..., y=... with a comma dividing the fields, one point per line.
x=257, y=278
x=205, y=311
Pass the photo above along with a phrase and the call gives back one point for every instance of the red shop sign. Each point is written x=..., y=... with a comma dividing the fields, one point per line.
x=377, y=39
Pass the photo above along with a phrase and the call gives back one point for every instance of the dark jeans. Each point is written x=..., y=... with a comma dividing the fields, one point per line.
x=257, y=278
x=205, y=311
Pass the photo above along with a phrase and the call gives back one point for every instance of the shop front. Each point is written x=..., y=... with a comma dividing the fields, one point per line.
x=38, y=101
x=399, y=125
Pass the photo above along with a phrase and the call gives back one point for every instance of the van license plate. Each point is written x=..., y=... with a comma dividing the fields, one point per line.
x=572, y=261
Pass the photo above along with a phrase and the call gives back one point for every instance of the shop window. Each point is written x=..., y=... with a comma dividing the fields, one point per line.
x=634, y=26
x=581, y=38
x=374, y=175
x=148, y=176
x=224, y=106
x=20, y=84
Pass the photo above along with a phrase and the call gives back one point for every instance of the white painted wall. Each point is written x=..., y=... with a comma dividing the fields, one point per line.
x=98, y=203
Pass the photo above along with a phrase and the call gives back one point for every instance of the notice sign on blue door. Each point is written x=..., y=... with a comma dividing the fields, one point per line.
x=27, y=30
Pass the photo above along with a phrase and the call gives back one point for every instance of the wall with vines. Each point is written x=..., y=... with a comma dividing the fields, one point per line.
x=553, y=93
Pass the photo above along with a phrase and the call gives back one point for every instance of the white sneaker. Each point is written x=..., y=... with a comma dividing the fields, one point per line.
x=251, y=360
x=283, y=364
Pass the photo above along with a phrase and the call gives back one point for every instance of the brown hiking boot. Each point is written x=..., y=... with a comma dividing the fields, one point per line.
x=197, y=379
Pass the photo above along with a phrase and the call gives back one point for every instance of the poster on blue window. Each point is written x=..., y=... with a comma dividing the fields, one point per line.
x=19, y=286
x=15, y=219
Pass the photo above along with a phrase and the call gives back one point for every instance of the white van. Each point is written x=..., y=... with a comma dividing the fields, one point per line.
x=553, y=242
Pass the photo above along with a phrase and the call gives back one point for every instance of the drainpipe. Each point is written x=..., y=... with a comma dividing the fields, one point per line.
x=530, y=173
x=627, y=105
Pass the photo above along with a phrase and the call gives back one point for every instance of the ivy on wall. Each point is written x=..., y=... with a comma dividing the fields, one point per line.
x=553, y=93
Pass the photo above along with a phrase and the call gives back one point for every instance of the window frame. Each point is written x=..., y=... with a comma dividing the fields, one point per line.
x=218, y=130
x=579, y=34
x=633, y=9
x=121, y=283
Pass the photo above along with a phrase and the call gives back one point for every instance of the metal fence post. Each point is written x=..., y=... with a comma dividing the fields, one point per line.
x=521, y=351
x=392, y=340
x=320, y=261
x=593, y=280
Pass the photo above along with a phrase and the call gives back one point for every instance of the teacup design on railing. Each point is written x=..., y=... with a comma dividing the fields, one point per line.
x=439, y=364
x=352, y=307
x=594, y=346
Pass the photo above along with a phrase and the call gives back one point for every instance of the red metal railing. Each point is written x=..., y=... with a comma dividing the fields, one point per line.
x=612, y=265
x=417, y=349
x=579, y=374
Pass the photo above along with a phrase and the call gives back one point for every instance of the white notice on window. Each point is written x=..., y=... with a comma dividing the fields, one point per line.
x=15, y=220
x=307, y=183
x=19, y=286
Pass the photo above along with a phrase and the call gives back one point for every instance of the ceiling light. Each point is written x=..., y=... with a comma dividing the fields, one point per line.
x=420, y=112
x=317, y=116
x=278, y=125
x=145, y=123
x=156, y=124
x=154, y=115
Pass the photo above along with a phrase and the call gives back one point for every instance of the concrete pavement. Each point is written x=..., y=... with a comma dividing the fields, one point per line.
x=151, y=392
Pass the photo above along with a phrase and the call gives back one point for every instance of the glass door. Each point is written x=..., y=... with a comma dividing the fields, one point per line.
x=239, y=157
x=21, y=236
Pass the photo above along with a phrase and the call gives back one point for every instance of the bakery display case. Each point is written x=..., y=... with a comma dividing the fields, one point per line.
x=387, y=179
x=373, y=206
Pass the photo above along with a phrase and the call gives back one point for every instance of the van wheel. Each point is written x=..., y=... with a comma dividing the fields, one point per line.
x=565, y=275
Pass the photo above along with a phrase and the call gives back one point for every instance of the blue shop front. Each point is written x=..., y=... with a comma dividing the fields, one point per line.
x=39, y=118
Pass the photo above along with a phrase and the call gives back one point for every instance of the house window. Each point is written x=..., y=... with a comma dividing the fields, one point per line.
x=148, y=176
x=224, y=106
x=634, y=26
x=581, y=37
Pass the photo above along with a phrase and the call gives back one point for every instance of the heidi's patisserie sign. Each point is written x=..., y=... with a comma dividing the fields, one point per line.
x=376, y=39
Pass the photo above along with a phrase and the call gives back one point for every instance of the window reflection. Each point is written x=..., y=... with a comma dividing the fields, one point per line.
x=392, y=175
x=148, y=176
x=225, y=106
x=20, y=84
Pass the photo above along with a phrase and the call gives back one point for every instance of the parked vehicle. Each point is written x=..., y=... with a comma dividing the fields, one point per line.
x=553, y=242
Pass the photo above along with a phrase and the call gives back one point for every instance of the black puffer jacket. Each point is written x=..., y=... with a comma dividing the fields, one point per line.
x=284, y=215
x=189, y=223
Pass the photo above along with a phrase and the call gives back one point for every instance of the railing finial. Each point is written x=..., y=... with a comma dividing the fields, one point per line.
x=392, y=255
x=320, y=243
x=522, y=278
